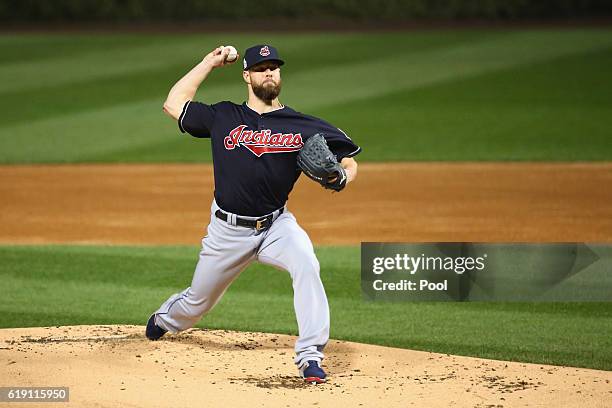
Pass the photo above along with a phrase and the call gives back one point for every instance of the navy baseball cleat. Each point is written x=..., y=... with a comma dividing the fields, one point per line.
x=154, y=332
x=312, y=373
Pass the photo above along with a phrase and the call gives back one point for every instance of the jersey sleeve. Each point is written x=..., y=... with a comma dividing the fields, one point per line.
x=339, y=142
x=197, y=119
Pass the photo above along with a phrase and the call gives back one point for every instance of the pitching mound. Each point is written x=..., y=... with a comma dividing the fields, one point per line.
x=111, y=366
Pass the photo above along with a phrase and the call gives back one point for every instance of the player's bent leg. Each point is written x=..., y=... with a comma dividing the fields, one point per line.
x=287, y=246
x=226, y=251
x=183, y=310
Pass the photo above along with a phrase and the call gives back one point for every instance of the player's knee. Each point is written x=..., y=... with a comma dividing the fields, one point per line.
x=313, y=264
x=307, y=265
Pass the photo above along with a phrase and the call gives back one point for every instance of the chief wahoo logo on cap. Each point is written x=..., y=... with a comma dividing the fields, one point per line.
x=264, y=52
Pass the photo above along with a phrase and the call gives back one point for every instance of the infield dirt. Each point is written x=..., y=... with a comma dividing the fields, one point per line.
x=407, y=202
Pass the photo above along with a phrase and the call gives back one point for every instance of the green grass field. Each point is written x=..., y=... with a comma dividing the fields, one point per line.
x=431, y=95
x=62, y=285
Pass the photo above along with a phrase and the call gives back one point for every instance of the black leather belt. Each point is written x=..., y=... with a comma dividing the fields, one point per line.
x=259, y=224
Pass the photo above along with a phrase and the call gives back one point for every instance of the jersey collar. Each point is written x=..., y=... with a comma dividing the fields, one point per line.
x=257, y=113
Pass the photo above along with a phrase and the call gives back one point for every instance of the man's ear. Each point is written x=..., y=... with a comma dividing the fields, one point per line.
x=246, y=76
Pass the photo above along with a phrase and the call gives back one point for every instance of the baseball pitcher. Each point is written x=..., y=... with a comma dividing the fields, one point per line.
x=259, y=150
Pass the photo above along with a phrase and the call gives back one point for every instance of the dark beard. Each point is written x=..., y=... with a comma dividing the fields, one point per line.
x=267, y=93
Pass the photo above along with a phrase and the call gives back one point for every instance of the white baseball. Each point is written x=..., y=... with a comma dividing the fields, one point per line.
x=233, y=54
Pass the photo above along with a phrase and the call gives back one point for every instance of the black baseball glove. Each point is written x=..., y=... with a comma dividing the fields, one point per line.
x=319, y=163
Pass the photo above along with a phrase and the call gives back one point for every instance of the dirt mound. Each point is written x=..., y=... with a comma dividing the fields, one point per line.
x=111, y=366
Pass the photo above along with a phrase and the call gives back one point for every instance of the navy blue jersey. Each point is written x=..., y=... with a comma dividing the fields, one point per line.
x=254, y=156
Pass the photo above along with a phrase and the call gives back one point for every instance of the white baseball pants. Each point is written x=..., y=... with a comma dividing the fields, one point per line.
x=227, y=250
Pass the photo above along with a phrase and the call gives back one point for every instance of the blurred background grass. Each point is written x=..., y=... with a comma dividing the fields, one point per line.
x=423, y=95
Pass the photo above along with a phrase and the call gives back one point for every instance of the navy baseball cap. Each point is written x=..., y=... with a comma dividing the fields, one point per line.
x=260, y=53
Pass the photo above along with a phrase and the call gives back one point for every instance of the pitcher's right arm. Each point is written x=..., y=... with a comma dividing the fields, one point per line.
x=185, y=89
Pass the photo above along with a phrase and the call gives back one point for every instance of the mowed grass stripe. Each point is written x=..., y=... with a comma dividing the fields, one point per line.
x=532, y=112
x=60, y=103
x=91, y=65
x=407, y=72
x=36, y=48
x=139, y=131
x=80, y=137
x=76, y=131
x=96, y=62
x=93, y=285
x=61, y=99
x=173, y=266
x=91, y=60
